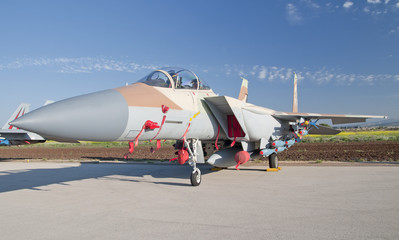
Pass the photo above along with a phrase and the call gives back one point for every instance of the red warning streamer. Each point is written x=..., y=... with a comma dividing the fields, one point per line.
x=217, y=137
x=160, y=128
x=234, y=141
x=185, y=133
x=147, y=125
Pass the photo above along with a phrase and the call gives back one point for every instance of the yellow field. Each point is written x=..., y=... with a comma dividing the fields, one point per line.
x=369, y=135
x=374, y=133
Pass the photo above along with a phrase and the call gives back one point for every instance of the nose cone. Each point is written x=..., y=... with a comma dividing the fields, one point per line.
x=100, y=116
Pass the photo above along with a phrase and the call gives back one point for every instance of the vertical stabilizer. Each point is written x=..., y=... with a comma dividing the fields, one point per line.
x=243, y=96
x=295, y=97
x=21, y=110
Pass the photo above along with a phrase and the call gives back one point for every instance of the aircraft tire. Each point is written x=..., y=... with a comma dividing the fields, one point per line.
x=273, y=161
x=196, y=177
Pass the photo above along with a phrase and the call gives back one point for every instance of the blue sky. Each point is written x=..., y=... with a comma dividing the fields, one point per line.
x=346, y=53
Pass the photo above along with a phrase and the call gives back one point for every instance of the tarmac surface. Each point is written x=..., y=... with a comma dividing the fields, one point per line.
x=48, y=200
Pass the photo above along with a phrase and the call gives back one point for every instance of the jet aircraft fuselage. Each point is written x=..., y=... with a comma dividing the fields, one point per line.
x=174, y=104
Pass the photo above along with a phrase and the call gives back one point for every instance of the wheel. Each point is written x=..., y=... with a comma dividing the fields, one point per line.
x=273, y=161
x=196, y=177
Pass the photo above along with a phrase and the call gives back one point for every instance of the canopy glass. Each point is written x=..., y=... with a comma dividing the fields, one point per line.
x=174, y=77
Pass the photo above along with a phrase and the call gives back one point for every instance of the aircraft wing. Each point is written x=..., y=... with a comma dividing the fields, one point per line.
x=335, y=118
x=294, y=116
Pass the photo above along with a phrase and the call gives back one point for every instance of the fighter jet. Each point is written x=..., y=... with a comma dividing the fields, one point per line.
x=10, y=135
x=174, y=104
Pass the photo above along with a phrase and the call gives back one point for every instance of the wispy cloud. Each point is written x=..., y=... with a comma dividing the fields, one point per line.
x=262, y=74
x=374, y=1
x=293, y=15
x=395, y=30
x=303, y=11
x=259, y=72
x=348, y=4
x=311, y=4
x=77, y=65
x=318, y=76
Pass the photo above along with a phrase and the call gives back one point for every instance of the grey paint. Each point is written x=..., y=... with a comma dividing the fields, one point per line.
x=261, y=125
x=100, y=116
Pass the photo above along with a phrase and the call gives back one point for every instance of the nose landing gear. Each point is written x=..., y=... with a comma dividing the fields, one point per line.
x=195, y=177
x=193, y=159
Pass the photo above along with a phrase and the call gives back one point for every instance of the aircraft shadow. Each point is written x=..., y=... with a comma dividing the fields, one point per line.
x=247, y=169
x=137, y=160
x=35, y=178
x=12, y=159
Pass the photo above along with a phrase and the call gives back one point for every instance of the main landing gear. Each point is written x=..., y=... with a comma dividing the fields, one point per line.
x=273, y=160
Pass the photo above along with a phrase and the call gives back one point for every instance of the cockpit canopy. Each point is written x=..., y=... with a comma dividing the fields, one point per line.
x=174, y=77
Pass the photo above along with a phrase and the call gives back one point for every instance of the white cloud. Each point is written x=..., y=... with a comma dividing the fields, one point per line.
x=319, y=76
x=395, y=30
x=311, y=4
x=228, y=69
x=77, y=65
x=348, y=4
x=262, y=73
x=397, y=4
x=374, y=1
x=293, y=15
